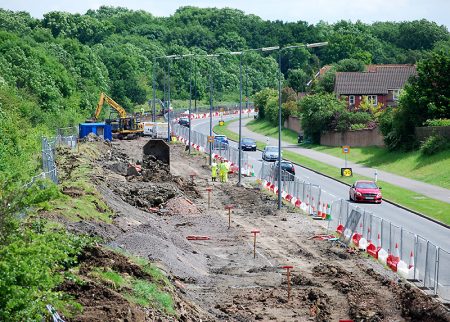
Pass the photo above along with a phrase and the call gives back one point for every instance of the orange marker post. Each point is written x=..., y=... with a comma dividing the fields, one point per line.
x=209, y=189
x=229, y=207
x=288, y=270
x=254, y=232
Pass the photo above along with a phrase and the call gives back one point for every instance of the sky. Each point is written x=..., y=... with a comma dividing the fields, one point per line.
x=311, y=11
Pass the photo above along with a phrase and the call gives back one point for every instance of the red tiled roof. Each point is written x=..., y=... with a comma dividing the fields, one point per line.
x=378, y=80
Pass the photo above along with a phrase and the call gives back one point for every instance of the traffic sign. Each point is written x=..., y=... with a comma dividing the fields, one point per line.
x=346, y=172
x=345, y=149
x=210, y=139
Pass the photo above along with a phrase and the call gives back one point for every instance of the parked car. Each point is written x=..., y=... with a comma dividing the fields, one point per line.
x=270, y=153
x=364, y=190
x=184, y=121
x=248, y=144
x=220, y=142
x=287, y=170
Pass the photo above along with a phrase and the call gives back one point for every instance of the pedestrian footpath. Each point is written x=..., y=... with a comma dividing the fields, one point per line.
x=426, y=189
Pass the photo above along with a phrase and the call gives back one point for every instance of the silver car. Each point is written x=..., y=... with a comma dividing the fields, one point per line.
x=270, y=153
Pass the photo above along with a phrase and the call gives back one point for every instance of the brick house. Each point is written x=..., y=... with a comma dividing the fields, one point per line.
x=380, y=83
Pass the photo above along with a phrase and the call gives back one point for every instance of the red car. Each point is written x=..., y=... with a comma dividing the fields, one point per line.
x=365, y=191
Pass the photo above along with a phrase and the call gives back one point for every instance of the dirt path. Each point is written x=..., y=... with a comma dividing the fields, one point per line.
x=221, y=275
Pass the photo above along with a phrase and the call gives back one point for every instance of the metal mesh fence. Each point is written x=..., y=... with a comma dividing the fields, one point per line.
x=443, y=282
x=430, y=266
x=430, y=263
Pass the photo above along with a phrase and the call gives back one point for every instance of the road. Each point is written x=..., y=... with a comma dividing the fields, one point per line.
x=435, y=233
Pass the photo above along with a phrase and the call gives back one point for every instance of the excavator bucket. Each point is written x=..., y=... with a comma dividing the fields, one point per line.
x=159, y=149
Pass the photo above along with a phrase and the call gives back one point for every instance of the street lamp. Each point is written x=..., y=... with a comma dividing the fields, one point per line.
x=320, y=44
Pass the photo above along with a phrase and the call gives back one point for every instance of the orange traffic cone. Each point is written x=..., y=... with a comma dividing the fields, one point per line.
x=411, y=260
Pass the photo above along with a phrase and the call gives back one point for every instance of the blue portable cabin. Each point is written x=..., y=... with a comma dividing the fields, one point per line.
x=100, y=129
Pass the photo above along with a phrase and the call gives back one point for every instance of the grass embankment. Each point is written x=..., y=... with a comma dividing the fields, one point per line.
x=417, y=202
x=429, y=169
x=41, y=254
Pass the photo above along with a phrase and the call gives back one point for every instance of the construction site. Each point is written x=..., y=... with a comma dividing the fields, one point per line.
x=226, y=252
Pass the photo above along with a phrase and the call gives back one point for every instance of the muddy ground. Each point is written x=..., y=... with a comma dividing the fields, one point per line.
x=219, y=278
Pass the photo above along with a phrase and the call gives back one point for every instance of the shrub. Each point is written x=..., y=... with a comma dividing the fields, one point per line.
x=437, y=122
x=433, y=145
x=358, y=126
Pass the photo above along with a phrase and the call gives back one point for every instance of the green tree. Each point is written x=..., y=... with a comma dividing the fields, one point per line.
x=318, y=112
x=425, y=97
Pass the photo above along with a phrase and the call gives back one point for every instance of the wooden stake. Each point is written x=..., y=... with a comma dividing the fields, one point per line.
x=209, y=189
x=288, y=268
x=254, y=232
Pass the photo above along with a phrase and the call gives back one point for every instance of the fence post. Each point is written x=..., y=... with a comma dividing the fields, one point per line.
x=426, y=267
x=436, y=272
x=401, y=242
x=416, y=242
x=340, y=213
x=390, y=236
x=382, y=232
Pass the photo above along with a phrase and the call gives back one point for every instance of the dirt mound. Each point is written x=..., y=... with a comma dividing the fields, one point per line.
x=102, y=257
x=101, y=303
x=181, y=206
x=145, y=195
x=155, y=170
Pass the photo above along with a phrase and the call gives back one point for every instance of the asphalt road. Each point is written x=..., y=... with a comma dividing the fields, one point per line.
x=435, y=233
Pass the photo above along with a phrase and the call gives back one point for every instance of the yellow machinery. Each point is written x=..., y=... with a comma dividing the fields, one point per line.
x=124, y=125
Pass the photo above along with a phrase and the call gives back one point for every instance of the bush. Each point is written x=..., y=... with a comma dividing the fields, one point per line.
x=433, y=145
x=437, y=122
x=358, y=126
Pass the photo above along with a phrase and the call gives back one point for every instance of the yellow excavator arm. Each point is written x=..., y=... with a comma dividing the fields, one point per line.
x=112, y=103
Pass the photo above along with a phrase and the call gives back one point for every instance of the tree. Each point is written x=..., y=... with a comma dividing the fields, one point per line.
x=425, y=97
x=317, y=113
x=297, y=79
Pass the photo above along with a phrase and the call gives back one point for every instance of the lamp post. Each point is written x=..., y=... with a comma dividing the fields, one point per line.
x=190, y=104
x=154, y=92
x=279, y=109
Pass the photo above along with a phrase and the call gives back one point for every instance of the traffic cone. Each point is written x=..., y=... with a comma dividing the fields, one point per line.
x=411, y=260
x=328, y=212
x=397, y=252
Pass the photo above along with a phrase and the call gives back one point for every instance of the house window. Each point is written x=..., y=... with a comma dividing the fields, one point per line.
x=395, y=93
x=351, y=100
x=373, y=99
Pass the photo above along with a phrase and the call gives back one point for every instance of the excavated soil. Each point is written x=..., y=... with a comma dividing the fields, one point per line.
x=157, y=210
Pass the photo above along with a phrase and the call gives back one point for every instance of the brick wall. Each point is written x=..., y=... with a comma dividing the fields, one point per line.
x=423, y=132
x=294, y=124
x=358, y=138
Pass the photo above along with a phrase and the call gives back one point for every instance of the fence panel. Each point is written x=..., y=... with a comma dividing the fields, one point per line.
x=407, y=245
x=430, y=267
x=420, y=259
x=443, y=282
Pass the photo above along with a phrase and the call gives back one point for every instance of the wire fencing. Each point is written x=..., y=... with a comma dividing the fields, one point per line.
x=426, y=264
x=64, y=137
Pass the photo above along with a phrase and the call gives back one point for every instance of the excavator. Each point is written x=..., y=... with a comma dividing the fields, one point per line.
x=122, y=127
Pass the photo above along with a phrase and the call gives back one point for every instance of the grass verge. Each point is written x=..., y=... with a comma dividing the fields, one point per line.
x=408, y=164
x=432, y=208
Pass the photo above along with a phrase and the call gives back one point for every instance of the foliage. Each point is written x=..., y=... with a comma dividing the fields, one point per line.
x=147, y=294
x=437, y=122
x=29, y=267
x=350, y=65
x=425, y=97
x=317, y=113
x=433, y=144
x=346, y=120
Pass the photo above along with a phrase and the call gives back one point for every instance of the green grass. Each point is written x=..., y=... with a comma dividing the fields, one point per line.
x=430, y=207
x=114, y=278
x=148, y=294
x=408, y=164
x=436, y=209
x=269, y=129
x=412, y=165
